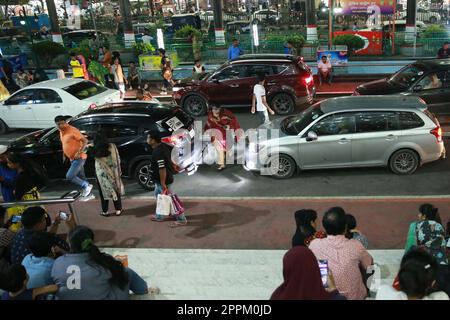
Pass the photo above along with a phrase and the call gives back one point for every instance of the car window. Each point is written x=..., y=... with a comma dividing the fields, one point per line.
x=47, y=96
x=84, y=90
x=376, y=121
x=113, y=130
x=410, y=120
x=267, y=70
x=407, y=76
x=232, y=73
x=343, y=123
x=435, y=80
x=22, y=97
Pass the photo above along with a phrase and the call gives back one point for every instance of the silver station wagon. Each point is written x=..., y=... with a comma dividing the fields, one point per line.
x=360, y=131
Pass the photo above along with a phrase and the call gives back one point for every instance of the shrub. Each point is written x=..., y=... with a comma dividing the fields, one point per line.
x=143, y=48
x=297, y=41
x=435, y=31
x=85, y=48
x=47, y=50
x=352, y=42
x=185, y=31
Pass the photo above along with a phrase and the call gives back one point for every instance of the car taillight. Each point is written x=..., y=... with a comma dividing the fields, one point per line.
x=175, y=139
x=437, y=132
x=308, y=80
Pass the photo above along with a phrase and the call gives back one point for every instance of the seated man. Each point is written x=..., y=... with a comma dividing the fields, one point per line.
x=324, y=70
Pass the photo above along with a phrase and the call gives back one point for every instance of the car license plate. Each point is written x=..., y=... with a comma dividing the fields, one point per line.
x=174, y=123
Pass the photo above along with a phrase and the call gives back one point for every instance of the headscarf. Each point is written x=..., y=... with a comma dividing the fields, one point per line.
x=302, y=280
x=431, y=236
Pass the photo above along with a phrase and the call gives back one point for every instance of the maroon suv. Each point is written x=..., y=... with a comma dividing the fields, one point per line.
x=289, y=82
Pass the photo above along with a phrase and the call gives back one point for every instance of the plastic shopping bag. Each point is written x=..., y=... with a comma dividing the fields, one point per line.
x=163, y=205
x=177, y=207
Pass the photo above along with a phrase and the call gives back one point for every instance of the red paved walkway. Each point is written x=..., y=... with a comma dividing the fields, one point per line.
x=248, y=224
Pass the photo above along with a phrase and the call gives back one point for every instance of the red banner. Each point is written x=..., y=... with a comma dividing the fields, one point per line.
x=373, y=41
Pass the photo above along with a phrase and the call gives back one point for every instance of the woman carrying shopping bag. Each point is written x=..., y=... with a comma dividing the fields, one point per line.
x=108, y=174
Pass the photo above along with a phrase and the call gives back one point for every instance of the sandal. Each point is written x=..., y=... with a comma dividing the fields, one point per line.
x=221, y=168
x=154, y=218
x=105, y=214
x=178, y=224
x=118, y=212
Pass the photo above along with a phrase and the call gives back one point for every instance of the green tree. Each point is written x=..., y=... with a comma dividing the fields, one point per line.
x=46, y=51
x=352, y=42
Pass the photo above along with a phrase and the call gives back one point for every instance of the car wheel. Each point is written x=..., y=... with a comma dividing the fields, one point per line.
x=282, y=167
x=404, y=162
x=195, y=105
x=433, y=20
x=282, y=104
x=143, y=175
x=3, y=127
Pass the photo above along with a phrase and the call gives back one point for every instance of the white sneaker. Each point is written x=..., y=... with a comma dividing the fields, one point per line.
x=163, y=92
x=87, y=198
x=87, y=190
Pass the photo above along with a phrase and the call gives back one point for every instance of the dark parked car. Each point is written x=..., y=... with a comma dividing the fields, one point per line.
x=427, y=79
x=126, y=125
x=289, y=82
x=76, y=37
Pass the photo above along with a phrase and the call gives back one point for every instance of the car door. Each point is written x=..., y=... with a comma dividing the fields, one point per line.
x=229, y=86
x=377, y=133
x=269, y=71
x=434, y=89
x=17, y=111
x=333, y=146
x=50, y=153
x=47, y=105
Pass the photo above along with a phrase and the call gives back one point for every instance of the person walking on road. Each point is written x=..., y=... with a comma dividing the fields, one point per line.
x=234, y=51
x=162, y=173
x=221, y=120
x=74, y=144
x=259, y=102
x=119, y=76
x=108, y=174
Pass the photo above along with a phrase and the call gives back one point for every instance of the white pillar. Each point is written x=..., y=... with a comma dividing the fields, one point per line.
x=57, y=37
x=129, y=39
x=311, y=33
x=220, y=36
x=410, y=34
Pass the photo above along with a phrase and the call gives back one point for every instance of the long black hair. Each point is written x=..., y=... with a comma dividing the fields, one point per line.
x=418, y=271
x=351, y=224
x=101, y=146
x=31, y=168
x=82, y=240
x=303, y=219
x=430, y=212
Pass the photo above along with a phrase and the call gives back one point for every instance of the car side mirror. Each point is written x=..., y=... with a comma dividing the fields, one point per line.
x=312, y=136
x=417, y=88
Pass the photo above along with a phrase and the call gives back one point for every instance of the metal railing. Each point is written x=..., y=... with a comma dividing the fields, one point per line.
x=68, y=198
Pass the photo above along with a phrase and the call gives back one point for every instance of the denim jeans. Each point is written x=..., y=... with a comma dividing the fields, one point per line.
x=158, y=191
x=323, y=78
x=76, y=173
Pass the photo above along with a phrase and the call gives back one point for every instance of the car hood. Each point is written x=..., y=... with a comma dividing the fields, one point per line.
x=29, y=140
x=187, y=82
x=379, y=87
x=273, y=129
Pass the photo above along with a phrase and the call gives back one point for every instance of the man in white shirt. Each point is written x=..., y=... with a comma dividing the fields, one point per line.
x=146, y=38
x=259, y=102
x=325, y=70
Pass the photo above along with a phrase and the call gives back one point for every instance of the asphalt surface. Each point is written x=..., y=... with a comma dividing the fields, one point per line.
x=431, y=179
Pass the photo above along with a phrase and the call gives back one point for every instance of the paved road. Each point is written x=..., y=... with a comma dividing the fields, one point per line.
x=431, y=179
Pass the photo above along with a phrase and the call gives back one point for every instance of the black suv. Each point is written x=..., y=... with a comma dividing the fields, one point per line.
x=427, y=79
x=126, y=125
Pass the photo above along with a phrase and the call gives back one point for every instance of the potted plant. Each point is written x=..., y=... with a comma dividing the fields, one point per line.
x=352, y=42
x=193, y=39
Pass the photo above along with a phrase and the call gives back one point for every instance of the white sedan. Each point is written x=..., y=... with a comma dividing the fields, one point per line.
x=36, y=106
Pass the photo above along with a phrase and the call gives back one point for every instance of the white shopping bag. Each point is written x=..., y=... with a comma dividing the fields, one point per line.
x=163, y=205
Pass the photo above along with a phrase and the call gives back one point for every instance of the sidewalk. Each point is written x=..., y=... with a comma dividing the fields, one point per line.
x=262, y=224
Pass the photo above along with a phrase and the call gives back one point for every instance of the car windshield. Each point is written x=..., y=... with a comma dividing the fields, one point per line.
x=84, y=90
x=407, y=76
x=295, y=124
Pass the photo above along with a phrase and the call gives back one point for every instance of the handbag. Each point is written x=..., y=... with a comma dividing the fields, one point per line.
x=163, y=205
x=177, y=207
